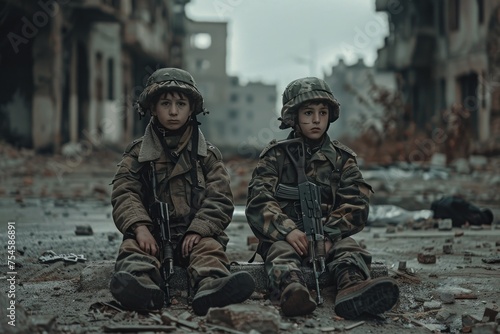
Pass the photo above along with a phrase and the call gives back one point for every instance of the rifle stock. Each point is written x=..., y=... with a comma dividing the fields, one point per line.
x=159, y=214
x=310, y=204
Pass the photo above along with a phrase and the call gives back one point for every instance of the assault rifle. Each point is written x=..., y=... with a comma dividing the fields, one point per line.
x=310, y=205
x=159, y=214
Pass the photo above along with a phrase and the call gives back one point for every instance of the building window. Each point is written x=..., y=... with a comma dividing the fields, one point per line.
x=233, y=97
x=111, y=79
x=249, y=98
x=201, y=41
x=202, y=65
x=454, y=15
x=232, y=114
x=441, y=17
x=480, y=11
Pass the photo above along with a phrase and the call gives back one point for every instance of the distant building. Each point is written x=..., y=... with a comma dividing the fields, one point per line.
x=240, y=115
x=71, y=71
x=447, y=53
x=351, y=86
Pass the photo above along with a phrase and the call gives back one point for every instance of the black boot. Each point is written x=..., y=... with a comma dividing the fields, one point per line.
x=136, y=291
x=357, y=295
x=219, y=292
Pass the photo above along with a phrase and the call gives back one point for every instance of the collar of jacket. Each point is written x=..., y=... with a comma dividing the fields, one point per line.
x=151, y=148
x=326, y=152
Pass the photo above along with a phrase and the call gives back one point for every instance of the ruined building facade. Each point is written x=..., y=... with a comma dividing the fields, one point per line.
x=71, y=69
x=447, y=57
x=242, y=118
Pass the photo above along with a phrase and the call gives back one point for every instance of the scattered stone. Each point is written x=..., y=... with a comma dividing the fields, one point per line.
x=468, y=322
x=491, y=259
x=447, y=248
x=113, y=236
x=426, y=258
x=490, y=313
x=432, y=305
x=444, y=315
x=245, y=318
x=402, y=265
x=84, y=230
x=447, y=297
x=44, y=323
x=445, y=224
x=390, y=229
x=422, y=299
x=459, y=233
x=467, y=257
x=328, y=329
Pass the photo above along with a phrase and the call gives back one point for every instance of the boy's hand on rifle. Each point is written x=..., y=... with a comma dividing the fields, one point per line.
x=146, y=240
x=299, y=242
x=190, y=240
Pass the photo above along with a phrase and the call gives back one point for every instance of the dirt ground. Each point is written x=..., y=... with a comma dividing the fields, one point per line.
x=48, y=203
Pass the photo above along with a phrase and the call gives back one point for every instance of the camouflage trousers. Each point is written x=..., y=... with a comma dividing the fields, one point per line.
x=207, y=259
x=282, y=263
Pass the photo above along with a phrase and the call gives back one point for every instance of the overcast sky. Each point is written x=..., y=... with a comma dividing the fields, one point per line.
x=277, y=41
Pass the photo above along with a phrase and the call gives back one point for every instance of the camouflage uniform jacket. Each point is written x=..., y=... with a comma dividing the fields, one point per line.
x=132, y=192
x=344, y=193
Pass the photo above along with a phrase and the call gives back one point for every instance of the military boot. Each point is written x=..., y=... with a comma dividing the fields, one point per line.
x=136, y=291
x=219, y=292
x=357, y=295
x=296, y=300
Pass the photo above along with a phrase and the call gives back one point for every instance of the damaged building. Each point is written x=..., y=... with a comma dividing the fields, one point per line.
x=447, y=57
x=71, y=69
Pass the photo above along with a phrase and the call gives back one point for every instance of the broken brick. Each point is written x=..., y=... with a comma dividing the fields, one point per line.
x=426, y=258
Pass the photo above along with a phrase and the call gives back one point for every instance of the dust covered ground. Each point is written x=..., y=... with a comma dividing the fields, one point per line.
x=49, y=197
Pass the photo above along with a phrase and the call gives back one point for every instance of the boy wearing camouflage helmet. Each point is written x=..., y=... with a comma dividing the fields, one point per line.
x=193, y=181
x=308, y=108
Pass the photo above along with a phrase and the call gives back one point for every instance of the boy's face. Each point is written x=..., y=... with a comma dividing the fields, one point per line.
x=173, y=109
x=313, y=119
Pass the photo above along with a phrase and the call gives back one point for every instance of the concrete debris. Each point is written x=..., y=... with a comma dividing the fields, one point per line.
x=448, y=248
x=445, y=224
x=432, y=305
x=491, y=313
x=426, y=258
x=492, y=259
x=116, y=328
x=245, y=318
x=84, y=230
x=169, y=319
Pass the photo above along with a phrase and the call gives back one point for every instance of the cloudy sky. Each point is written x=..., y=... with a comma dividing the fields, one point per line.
x=277, y=41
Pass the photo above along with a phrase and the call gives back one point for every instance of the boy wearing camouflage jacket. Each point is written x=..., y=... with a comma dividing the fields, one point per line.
x=192, y=180
x=308, y=108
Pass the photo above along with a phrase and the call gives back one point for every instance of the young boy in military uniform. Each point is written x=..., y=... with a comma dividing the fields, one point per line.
x=308, y=108
x=193, y=182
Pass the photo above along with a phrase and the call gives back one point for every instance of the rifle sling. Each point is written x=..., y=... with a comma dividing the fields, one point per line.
x=193, y=156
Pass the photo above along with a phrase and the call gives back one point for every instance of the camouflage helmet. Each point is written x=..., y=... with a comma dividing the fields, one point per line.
x=302, y=90
x=165, y=79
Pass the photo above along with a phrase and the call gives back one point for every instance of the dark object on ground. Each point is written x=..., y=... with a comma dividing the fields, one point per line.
x=461, y=212
x=84, y=230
